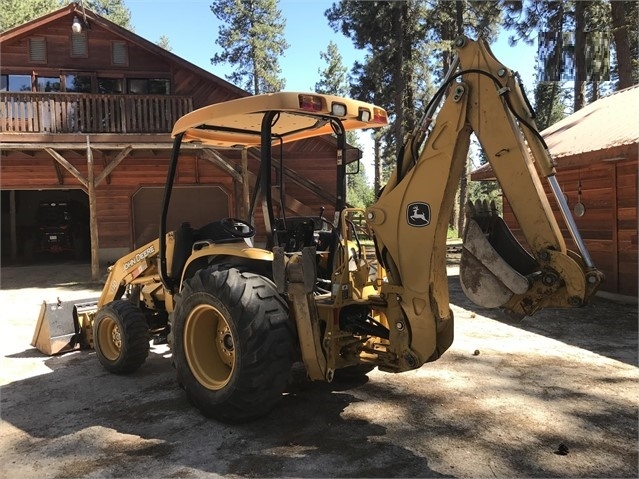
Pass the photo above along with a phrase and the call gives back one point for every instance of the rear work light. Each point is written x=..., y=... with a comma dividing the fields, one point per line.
x=338, y=109
x=310, y=102
x=364, y=115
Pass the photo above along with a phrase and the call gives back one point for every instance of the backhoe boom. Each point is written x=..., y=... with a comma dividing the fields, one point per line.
x=410, y=219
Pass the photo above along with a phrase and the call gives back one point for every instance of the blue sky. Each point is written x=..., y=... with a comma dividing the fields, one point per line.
x=192, y=29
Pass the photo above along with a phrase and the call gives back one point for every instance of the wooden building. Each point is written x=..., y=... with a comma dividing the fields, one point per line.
x=596, y=150
x=86, y=111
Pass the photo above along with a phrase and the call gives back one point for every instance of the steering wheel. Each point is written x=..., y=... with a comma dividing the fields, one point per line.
x=237, y=228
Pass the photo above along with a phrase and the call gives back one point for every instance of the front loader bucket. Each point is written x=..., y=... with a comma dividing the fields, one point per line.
x=58, y=329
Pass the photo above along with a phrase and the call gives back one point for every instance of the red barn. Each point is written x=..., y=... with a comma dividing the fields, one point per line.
x=85, y=118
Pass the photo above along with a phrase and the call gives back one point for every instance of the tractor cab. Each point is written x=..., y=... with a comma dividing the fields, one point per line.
x=263, y=122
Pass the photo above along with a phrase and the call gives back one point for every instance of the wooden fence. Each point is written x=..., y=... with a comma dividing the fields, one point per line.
x=23, y=112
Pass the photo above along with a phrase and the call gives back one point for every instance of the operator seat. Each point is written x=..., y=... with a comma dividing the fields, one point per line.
x=184, y=237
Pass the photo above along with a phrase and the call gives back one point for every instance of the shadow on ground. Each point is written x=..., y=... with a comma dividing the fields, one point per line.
x=604, y=327
x=70, y=423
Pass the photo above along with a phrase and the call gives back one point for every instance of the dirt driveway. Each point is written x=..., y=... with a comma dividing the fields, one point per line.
x=555, y=395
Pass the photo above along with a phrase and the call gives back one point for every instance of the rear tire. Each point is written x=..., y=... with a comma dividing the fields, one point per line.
x=232, y=343
x=121, y=337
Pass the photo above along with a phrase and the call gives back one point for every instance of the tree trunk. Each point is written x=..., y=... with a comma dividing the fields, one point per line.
x=463, y=193
x=622, y=44
x=378, y=165
x=399, y=78
x=457, y=216
x=580, y=56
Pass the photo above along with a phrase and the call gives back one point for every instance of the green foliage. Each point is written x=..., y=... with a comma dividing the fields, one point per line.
x=333, y=78
x=17, y=12
x=113, y=10
x=334, y=81
x=251, y=37
x=406, y=42
x=550, y=104
x=164, y=42
x=614, y=20
x=358, y=192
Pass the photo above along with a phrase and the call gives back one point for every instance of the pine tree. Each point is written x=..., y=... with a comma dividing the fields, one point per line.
x=592, y=24
x=549, y=104
x=17, y=12
x=113, y=10
x=333, y=78
x=251, y=37
x=625, y=31
x=164, y=42
x=334, y=81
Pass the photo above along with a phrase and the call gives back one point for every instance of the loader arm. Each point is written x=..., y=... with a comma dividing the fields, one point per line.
x=410, y=218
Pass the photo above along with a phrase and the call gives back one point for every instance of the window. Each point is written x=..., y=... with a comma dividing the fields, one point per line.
x=149, y=86
x=119, y=54
x=159, y=86
x=48, y=84
x=109, y=85
x=79, y=46
x=77, y=83
x=37, y=50
x=16, y=83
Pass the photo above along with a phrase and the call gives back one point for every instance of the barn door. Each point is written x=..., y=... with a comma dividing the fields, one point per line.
x=198, y=205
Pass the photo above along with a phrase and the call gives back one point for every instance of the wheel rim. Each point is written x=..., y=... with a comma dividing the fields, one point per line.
x=110, y=339
x=209, y=347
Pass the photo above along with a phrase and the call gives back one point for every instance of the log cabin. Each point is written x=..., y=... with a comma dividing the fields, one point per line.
x=86, y=111
x=596, y=150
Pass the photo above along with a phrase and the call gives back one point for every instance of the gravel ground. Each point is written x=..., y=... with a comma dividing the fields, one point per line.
x=555, y=395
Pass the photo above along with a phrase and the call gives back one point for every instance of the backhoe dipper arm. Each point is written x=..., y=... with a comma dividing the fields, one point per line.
x=410, y=219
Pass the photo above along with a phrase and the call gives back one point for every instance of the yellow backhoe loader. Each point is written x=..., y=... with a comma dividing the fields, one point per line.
x=367, y=288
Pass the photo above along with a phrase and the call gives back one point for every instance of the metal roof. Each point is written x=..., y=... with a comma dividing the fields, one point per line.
x=608, y=122
x=611, y=121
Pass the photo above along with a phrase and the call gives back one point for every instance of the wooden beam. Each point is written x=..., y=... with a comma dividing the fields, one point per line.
x=615, y=226
x=69, y=167
x=93, y=216
x=215, y=158
x=112, y=165
x=292, y=204
x=115, y=145
x=58, y=172
x=296, y=178
x=13, y=225
x=105, y=163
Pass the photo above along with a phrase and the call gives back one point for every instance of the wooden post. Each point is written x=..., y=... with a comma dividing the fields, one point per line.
x=12, y=220
x=245, y=185
x=93, y=216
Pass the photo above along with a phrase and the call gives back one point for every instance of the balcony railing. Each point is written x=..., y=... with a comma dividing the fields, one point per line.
x=22, y=112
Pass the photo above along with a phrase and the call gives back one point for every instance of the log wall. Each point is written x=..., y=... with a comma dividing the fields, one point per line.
x=609, y=225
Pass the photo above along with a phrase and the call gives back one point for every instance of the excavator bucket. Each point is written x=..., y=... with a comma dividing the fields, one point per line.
x=58, y=328
x=493, y=265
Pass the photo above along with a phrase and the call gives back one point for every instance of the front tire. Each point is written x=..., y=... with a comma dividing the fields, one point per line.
x=232, y=343
x=121, y=337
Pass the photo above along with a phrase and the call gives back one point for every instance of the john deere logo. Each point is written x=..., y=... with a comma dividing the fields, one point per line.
x=418, y=214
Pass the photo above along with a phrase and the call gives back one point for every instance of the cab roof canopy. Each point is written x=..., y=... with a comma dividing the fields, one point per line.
x=238, y=123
